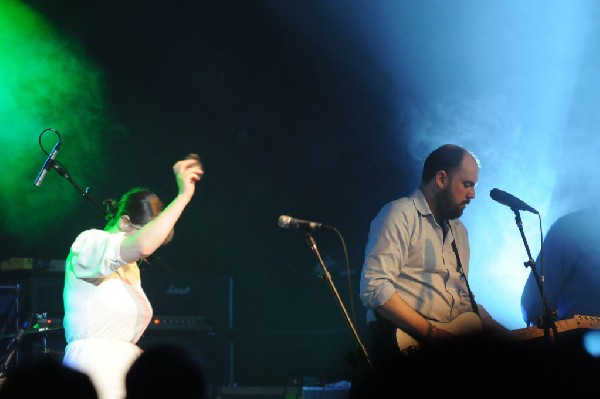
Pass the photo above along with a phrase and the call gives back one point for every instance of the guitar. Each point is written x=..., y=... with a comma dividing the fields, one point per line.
x=464, y=324
x=469, y=323
x=576, y=322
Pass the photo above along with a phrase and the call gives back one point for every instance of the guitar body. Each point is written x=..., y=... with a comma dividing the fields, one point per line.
x=467, y=323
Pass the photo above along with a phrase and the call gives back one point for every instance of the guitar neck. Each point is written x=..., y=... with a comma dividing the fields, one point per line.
x=576, y=322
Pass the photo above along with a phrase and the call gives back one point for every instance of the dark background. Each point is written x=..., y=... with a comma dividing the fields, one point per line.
x=289, y=117
x=318, y=109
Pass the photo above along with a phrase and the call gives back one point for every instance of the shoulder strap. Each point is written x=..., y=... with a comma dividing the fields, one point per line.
x=459, y=268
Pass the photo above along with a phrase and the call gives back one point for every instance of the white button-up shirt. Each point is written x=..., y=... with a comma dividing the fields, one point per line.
x=406, y=253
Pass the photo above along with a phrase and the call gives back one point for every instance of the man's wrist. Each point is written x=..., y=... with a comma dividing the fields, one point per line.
x=431, y=332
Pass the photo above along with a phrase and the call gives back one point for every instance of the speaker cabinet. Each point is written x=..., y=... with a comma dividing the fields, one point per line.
x=195, y=311
x=214, y=353
x=10, y=303
x=192, y=309
x=191, y=297
x=41, y=292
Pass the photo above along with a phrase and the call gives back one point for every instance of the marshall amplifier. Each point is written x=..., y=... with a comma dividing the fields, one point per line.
x=190, y=301
x=195, y=311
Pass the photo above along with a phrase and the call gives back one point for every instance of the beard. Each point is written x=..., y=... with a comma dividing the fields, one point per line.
x=449, y=210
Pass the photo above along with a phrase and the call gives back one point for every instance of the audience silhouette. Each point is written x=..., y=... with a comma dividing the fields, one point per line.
x=46, y=377
x=166, y=370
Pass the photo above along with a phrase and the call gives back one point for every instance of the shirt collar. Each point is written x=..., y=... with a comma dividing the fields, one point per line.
x=423, y=207
x=420, y=202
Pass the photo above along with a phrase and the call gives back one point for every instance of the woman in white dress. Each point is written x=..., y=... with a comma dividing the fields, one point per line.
x=106, y=309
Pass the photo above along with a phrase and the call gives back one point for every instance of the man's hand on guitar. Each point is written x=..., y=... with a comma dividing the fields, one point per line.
x=464, y=324
x=437, y=334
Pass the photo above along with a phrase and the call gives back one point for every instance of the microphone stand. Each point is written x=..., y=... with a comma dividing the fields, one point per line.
x=547, y=320
x=84, y=192
x=313, y=246
x=13, y=347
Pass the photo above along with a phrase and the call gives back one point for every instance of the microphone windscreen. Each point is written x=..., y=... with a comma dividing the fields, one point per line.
x=284, y=221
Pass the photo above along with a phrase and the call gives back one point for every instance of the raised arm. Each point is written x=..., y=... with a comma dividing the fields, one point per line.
x=150, y=237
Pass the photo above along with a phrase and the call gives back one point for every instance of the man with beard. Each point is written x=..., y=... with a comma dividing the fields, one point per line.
x=414, y=277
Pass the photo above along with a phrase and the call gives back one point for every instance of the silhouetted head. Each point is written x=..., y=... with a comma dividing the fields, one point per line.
x=47, y=378
x=165, y=370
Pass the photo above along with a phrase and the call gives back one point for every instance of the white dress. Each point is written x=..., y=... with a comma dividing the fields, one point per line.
x=106, y=311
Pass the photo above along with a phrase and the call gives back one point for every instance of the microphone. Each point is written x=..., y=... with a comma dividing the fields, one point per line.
x=510, y=200
x=47, y=165
x=287, y=222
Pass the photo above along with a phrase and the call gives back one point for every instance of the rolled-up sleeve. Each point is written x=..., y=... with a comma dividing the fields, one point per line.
x=383, y=257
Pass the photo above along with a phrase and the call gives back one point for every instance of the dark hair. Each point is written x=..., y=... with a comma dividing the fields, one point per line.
x=140, y=204
x=447, y=157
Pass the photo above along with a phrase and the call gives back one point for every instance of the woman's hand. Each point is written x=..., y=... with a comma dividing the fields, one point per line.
x=187, y=172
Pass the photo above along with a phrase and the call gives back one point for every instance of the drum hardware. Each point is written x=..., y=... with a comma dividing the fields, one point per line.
x=36, y=323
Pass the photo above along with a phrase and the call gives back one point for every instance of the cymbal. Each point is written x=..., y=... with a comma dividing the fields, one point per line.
x=33, y=331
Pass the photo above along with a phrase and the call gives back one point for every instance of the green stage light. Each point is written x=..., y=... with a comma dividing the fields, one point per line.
x=46, y=81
